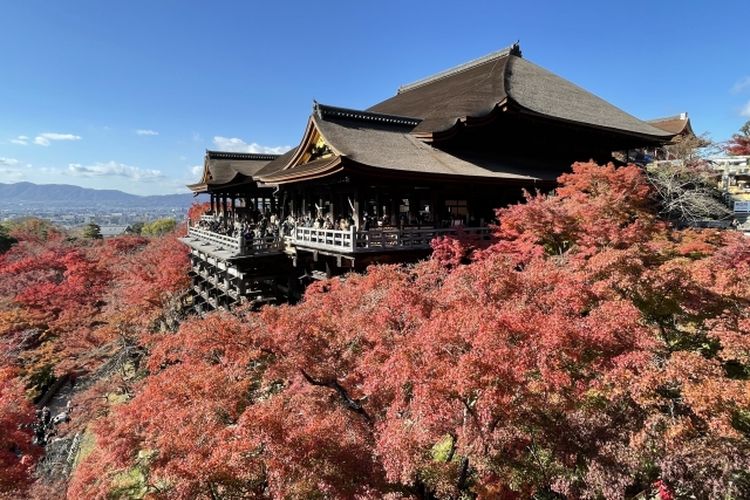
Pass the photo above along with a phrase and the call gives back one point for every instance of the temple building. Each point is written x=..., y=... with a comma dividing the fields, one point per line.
x=378, y=185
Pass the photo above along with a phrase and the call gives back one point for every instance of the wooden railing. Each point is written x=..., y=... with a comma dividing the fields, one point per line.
x=353, y=241
x=324, y=239
x=336, y=240
x=237, y=245
x=221, y=241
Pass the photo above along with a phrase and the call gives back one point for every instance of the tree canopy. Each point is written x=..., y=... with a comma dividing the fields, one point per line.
x=159, y=227
x=592, y=350
x=739, y=144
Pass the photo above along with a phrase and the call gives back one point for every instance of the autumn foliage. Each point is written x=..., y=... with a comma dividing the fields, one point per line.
x=739, y=144
x=67, y=306
x=590, y=351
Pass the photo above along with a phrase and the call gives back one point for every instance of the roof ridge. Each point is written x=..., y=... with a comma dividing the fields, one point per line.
x=323, y=110
x=680, y=116
x=514, y=49
x=233, y=155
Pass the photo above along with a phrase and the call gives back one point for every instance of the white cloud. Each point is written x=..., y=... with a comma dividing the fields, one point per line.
x=741, y=85
x=113, y=169
x=8, y=162
x=145, y=131
x=46, y=138
x=10, y=169
x=237, y=145
x=10, y=174
x=21, y=139
x=196, y=170
x=745, y=111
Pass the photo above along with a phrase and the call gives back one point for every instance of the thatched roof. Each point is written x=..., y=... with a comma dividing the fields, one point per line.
x=372, y=140
x=223, y=167
x=504, y=78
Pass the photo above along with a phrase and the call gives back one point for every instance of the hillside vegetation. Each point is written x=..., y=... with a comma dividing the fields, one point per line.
x=591, y=351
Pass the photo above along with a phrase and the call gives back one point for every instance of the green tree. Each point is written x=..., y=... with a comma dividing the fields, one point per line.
x=135, y=228
x=92, y=231
x=6, y=240
x=159, y=227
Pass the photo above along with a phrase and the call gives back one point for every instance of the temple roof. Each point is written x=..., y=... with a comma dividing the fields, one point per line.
x=478, y=88
x=225, y=167
x=676, y=125
x=362, y=140
x=399, y=135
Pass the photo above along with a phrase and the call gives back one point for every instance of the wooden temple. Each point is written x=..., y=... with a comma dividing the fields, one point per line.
x=378, y=185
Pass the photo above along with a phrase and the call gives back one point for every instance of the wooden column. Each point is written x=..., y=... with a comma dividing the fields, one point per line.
x=357, y=210
x=434, y=210
x=395, y=205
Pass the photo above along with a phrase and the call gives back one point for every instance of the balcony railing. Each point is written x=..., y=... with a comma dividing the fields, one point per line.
x=335, y=240
x=236, y=245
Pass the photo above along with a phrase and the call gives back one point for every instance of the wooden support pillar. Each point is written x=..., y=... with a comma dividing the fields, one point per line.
x=357, y=215
x=395, y=205
x=413, y=207
x=434, y=210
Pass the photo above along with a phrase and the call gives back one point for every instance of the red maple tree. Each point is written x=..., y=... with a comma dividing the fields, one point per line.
x=591, y=350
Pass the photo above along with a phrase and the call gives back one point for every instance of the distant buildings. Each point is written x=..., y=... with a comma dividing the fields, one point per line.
x=735, y=180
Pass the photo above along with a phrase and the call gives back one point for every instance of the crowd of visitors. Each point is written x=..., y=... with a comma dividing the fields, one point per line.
x=254, y=225
x=258, y=227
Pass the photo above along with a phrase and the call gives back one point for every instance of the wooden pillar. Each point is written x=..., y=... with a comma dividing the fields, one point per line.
x=395, y=205
x=413, y=206
x=434, y=210
x=357, y=215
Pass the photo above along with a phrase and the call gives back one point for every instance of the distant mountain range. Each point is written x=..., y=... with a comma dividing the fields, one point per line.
x=27, y=193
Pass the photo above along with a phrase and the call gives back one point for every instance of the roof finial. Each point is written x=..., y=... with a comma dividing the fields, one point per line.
x=515, y=49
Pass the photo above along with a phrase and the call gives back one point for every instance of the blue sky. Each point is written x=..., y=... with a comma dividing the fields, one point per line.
x=128, y=95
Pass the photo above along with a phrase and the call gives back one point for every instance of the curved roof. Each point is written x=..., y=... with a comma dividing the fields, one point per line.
x=365, y=139
x=224, y=167
x=478, y=88
x=676, y=125
x=540, y=91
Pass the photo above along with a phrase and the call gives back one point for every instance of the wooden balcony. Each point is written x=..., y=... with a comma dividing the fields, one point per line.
x=327, y=240
x=376, y=240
